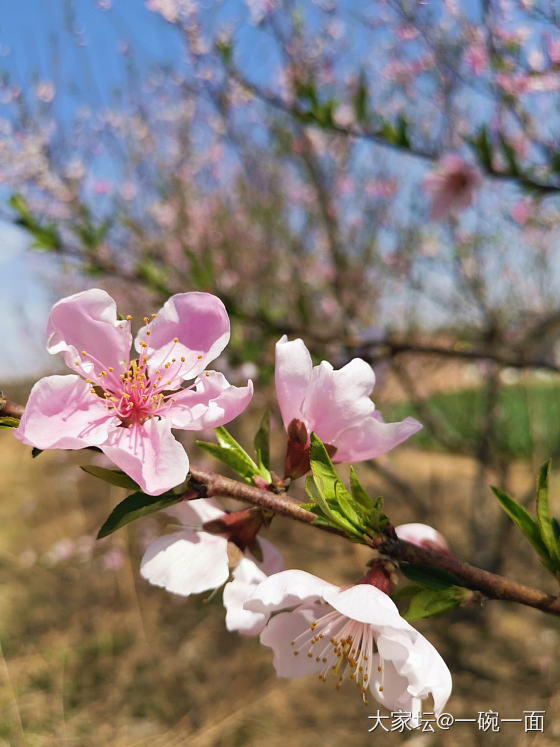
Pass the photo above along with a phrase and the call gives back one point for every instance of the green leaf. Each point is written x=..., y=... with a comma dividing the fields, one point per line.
x=262, y=442
x=134, y=507
x=510, y=157
x=330, y=514
x=361, y=99
x=113, y=476
x=427, y=575
x=232, y=454
x=523, y=519
x=408, y=590
x=358, y=492
x=543, y=515
x=7, y=421
x=376, y=519
x=431, y=602
x=483, y=148
x=329, y=483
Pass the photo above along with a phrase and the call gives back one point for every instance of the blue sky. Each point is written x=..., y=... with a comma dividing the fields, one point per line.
x=79, y=50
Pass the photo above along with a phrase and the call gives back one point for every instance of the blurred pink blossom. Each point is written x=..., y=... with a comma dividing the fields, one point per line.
x=452, y=186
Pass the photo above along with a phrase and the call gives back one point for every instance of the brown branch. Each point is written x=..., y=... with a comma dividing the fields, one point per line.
x=207, y=484
x=10, y=409
x=490, y=584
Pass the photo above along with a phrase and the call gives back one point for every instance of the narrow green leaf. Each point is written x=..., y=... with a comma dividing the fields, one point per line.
x=134, y=507
x=231, y=459
x=543, y=515
x=427, y=575
x=8, y=422
x=523, y=519
x=331, y=486
x=432, y=602
x=113, y=476
x=358, y=492
x=262, y=442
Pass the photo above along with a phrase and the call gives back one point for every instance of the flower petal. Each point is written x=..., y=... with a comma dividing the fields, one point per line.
x=198, y=321
x=246, y=577
x=336, y=400
x=292, y=374
x=213, y=402
x=87, y=321
x=423, y=536
x=62, y=413
x=272, y=561
x=287, y=589
x=372, y=437
x=193, y=514
x=414, y=658
x=366, y=604
x=186, y=562
x=279, y=634
x=150, y=454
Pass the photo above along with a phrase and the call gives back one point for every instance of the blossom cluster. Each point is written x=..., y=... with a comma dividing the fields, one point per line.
x=126, y=405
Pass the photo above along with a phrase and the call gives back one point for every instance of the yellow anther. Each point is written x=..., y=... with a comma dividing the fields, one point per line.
x=110, y=369
x=182, y=359
x=93, y=391
x=148, y=332
x=207, y=373
x=84, y=352
x=381, y=688
x=76, y=363
x=167, y=365
x=143, y=344
x=199, y=356
x=154, y=316
x=129, y=317
x=120, y=326
x=146, y=320
x=89, y=381
x=378, y=669
x=175, y=339
x=296, y=653
x=309, y=655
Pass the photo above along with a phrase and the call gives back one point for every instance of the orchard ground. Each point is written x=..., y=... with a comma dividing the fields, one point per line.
x=94, y=655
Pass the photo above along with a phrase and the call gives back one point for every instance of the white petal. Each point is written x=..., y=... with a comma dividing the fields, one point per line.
x=195, y=513
x=279, y=634
x=287, y=589
x=186, y=562
x=366, y=604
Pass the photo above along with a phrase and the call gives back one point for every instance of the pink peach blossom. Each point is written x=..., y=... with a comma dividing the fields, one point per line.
x=334, y=404
x=452, y=186
x=192, y=561
x=126, y=407
x=355, y=632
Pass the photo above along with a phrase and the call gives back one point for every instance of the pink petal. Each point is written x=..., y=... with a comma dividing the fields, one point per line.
x=149, y=454
x=366, y=604
x=62, y=413
x=372, y=438
x=422, y=535
x=292, y=375
x=279, y=634
x=287, y=589
x=87, y=321
x=337, y=399
x=199, y=322
x=213, y=402
x=186, y=562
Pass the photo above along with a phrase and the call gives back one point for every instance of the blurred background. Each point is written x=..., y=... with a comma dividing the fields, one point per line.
x=282, y=154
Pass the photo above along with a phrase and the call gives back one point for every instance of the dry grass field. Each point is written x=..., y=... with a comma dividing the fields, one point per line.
x=93, y=655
